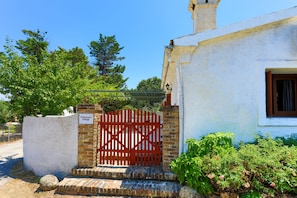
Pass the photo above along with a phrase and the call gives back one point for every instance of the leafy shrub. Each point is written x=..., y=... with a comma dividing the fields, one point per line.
x=189, y=166
x=213, y=164
x=290, y=141
x=271, y=164
x=212, y=144
x=189, y=171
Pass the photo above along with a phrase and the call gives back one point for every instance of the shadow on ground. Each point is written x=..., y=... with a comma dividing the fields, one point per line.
x=14, y=168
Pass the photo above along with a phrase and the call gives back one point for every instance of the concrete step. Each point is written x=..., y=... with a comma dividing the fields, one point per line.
x=119, y=188
x=128, y=172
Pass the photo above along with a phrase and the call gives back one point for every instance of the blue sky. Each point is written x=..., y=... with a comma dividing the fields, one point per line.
x=143, y=28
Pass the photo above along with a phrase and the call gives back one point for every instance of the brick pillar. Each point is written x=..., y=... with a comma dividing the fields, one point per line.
x=170, y=135
x=88, y=136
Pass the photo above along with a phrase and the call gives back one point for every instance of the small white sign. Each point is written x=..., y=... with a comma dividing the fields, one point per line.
x=86, y=118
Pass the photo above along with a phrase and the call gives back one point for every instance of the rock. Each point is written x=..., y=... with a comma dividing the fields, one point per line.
x=229, y=195
x=187, y=192
x=48, y=182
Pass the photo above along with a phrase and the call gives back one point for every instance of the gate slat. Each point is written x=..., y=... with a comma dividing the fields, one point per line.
x=146, y=142
x=125, y=137
x=112, y=142
x=120, y=134
x=153, y=137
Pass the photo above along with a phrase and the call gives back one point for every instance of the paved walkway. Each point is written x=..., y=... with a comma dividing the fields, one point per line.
x=10, y=153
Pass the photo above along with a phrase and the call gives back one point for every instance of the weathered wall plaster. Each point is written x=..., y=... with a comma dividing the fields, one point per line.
x=50, y=144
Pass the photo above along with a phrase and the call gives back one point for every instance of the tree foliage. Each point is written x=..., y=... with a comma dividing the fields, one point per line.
x=151, y=92
x=5, y=112
x=106, y=52
x=153, y=84
x=43, y=82
x=34, y=45
x=39, y=81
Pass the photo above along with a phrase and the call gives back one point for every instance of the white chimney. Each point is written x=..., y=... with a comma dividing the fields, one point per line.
x=204, y=14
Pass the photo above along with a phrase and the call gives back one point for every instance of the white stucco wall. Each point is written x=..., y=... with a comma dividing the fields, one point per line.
x=224, y=83
x=50, y=144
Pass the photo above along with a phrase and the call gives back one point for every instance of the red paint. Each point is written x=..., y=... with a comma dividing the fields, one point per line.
x=130, y=137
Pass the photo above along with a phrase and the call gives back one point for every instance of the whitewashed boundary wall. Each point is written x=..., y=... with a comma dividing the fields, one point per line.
x=50, y=144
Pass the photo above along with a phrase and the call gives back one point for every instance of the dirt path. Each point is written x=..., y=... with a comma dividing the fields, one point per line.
x=24, y=184
x=15, y=180
x=10, y=154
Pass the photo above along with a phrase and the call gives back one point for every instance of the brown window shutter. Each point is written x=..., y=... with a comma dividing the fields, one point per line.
x=269, y=102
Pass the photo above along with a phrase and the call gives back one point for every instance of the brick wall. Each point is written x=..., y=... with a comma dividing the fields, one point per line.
x=170, y=134
x=88, y=136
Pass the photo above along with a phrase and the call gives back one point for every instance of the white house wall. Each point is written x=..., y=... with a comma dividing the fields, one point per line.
x=224, y=85
x=50, y=144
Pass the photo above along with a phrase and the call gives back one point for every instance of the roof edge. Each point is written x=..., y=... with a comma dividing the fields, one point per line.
x=194, y=39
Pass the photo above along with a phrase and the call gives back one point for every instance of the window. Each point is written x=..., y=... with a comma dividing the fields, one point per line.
x=281, y=90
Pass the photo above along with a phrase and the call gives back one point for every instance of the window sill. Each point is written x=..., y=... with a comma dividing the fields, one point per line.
x=279, y=121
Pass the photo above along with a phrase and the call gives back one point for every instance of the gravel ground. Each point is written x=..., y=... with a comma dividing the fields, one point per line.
x=16, y=181
x=24, y=184
x=10, y=154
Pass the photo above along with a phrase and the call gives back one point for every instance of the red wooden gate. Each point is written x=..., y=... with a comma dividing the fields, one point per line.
x=130, y=137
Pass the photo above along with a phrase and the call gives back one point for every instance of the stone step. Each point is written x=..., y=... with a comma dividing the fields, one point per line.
x=129, y=172
x=120, y=188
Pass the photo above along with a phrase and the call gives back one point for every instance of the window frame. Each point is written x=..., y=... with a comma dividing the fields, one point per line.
x=271, y=94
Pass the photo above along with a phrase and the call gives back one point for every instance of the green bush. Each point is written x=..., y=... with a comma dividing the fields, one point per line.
x=271, y=165
x=213, y=164
x=292, y=140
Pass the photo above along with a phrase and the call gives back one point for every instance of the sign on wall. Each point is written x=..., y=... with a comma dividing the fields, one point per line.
x=86, y=118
